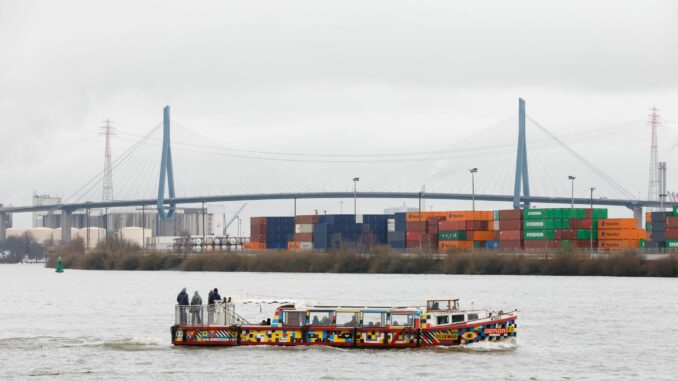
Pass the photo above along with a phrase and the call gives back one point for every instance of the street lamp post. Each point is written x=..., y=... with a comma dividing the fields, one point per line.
x=592, y=189
x=661, y=199
x=571, y=178
x=473, y=187
x=355, y=195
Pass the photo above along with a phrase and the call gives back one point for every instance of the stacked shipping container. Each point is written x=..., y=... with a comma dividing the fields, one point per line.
x=619, y=234
x=530, y=229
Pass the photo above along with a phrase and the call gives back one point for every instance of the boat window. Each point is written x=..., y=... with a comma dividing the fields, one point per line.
x=402, y=320
x=444, y=319
x=374, y=319
x=293, y=318
x=457, y=318
x=472, y=316
x=322, y=318
x=347, y=319
x=435, y=305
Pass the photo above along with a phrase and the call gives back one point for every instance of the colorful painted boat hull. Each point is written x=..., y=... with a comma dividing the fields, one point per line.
x=498, y=329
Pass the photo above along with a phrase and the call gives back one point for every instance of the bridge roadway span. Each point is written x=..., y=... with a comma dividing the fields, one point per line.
x=631, y=204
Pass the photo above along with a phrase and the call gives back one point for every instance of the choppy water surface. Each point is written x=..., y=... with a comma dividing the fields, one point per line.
x=112, y=325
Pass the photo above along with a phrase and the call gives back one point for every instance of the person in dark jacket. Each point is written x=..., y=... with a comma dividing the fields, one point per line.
x=182, y=300
x=211, y=308
x=196, y=308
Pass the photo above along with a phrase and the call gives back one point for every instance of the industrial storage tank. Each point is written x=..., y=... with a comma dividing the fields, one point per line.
x=136, y=235
x=15, y=232
x=42, y=235
x=96, y=235
x=57, y=234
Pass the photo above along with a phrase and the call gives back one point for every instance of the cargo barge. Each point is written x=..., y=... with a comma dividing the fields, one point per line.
x=440, y=322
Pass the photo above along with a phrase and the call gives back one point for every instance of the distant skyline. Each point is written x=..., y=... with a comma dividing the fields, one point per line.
x=328, y=77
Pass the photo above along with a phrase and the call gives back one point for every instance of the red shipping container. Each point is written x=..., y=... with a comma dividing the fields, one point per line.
x=517, y=244
x=510, y=214
x=451, y=225
x=303, y=237
x=565, y=234
x=541, y=244
x=416, y=226
x=477, y=225
x=585, y=243
x=510, y=235
x=581, y=223
x=496, y=235
x=671, y=233
x=671, y=222
x=307, y=219
x=412, y=236
x=510, y=224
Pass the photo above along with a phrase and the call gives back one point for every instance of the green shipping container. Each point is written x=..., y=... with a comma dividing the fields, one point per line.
x=675, y=210
x=671, y=244
x=570, y=213
x=538, y=224
x=541, y=214
x=452, y=235
x=496, y=215
x=599, y=213
x=648, y=226
x=586, y=233
x=563, y=224
x=538, y=235
x=642, y=243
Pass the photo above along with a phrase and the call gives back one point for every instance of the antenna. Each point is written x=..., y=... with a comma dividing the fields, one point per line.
x=653, y=184
x=108, y=130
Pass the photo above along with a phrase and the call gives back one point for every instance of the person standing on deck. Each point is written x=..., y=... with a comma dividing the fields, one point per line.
x=182, y=300
x=196, y=308
x=211, y=308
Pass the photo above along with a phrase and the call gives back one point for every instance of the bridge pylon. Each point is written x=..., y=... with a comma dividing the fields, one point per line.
x=166, y=170
x=522, y=181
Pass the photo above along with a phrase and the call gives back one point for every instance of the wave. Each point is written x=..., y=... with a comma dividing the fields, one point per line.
x=45, y=342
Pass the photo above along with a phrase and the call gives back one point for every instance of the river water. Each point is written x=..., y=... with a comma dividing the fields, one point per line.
x=115, y=325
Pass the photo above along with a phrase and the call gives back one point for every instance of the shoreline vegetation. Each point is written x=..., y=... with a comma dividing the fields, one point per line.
x=116, y=255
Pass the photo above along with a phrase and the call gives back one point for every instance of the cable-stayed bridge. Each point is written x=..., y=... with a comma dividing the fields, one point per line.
x=525, y=165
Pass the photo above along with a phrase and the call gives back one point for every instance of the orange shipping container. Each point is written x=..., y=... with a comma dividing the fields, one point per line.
x=255, y=245
x=619, y=244
x=624, y=234
x=480, y=235
x=293, y=245
x=444, y=245
x=470, y=216
x=617, y=223
x=423, y=216
x=648, y=216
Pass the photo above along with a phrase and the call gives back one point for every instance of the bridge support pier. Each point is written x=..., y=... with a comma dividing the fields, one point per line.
x=3, y=226
x=66, y=216
x=638, y=215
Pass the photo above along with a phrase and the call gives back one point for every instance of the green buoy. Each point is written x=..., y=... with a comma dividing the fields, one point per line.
x=60, y=266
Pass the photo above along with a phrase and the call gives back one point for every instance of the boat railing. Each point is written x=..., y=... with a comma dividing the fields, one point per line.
x=217, y=314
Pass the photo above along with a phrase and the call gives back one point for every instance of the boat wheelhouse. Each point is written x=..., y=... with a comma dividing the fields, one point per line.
x=441, y=322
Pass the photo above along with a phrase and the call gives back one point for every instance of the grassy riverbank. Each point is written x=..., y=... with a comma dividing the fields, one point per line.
x=623, y=264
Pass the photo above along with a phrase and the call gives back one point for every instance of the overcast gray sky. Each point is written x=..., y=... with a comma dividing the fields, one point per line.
x=326, y=76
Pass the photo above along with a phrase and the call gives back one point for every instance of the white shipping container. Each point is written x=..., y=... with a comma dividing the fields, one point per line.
x=495, y=225
x=306, y=245
x=303, y=228
x=390, y=224
x=359, y=219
